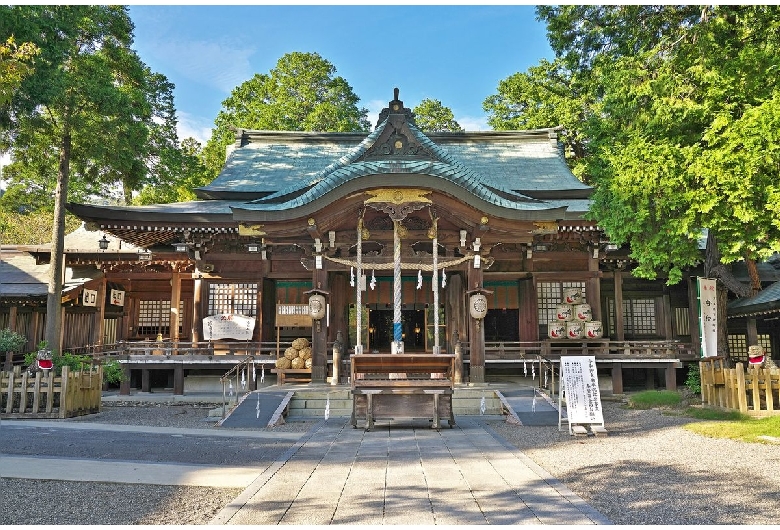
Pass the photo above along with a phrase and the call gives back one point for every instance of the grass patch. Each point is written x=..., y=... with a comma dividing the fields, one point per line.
x=745, y=429
x=650, y=399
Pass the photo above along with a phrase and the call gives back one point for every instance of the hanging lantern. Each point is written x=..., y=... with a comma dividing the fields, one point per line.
x=317, y=306
x=478, y=306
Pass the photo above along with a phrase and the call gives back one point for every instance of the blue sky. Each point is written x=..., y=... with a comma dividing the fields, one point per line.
x=456, y=54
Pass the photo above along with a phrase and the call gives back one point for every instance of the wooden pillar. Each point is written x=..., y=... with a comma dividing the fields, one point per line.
x=197, y=315
x=101, y=313
x=593, y=289
x=12, y=318
x=752, y=332
x=124, y=385
x=175, y=300
x=454, y=315
x=650, y=378
x=319, y=333
x=619, y=323
x=178, y=379
x=476, y=332
x=693, y=315
x=617, y=378
x=671, y=377
x=529, y=315
x=145, y=382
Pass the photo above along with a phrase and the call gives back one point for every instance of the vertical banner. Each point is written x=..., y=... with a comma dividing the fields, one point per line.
x=708, y=316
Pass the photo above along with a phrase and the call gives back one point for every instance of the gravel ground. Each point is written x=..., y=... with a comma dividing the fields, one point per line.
x=649, y=470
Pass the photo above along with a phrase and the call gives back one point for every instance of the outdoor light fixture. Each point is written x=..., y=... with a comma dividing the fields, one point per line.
x=317, y=306
x=478, y=304
x=103, y=243
x=463, y=238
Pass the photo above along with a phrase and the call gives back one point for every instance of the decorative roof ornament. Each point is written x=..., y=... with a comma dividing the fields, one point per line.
x=397, y=139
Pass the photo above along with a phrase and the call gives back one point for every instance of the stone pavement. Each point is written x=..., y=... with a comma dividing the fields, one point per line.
x=406, y=473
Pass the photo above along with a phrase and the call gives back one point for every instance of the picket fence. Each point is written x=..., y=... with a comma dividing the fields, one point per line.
x=46, y=396
x=754, y=391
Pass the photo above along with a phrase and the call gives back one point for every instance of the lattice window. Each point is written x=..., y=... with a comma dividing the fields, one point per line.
x=549, y=295
x=154, y=316
x=681, y=322
x=738, y=346
x=233, y=299
x=638, y=316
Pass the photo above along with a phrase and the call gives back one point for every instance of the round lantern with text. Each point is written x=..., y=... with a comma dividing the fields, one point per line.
x=317, y=306
x=478, y=306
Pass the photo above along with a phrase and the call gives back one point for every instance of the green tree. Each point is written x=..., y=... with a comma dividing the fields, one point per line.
x=15, y=65
x=299, y=94
x=547, y=95
x=90, y=103
x=431, y=116
x=187, y=173
x=674, y=106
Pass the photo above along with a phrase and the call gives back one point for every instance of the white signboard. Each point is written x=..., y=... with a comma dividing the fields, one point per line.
x=580, y=386
x=708, y=317
x=226, y=326
x=117, y=297
x=89, y=298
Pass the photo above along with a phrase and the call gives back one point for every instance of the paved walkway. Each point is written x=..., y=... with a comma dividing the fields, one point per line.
x=406, y=474
x=401, y=473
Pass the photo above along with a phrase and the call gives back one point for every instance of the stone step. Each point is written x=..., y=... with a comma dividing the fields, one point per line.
x=312, y=403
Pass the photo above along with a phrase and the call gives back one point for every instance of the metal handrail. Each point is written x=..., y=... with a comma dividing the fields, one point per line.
x=228, y=378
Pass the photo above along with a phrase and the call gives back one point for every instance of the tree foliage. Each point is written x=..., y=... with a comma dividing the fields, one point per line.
x=90, y=105
x=676, y=109
x=301, y=93
x=15, y=65
x=431, y=116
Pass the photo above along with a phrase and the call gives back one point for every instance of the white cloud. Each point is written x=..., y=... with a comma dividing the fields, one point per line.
x=193, y=127
x=5, y=159
x=470, y=123
x=374, y=107
x=208, y=63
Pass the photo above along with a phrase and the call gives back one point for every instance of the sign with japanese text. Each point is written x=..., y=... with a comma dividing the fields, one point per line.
x=225, y=326
x=580, y=385
x=117, y=297
x=708, y=316
x=89, y=298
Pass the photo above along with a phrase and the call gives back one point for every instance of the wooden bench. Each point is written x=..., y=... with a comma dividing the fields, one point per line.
x=392, y=386
x=295, y=375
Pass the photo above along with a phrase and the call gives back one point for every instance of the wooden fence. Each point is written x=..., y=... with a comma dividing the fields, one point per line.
x=74, y=393
x=753, y=391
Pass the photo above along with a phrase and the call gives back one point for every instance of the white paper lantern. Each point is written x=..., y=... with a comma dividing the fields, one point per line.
x=478, y=306
x=317, y=306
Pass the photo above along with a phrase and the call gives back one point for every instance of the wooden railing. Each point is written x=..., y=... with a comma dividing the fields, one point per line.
x=73, y=393
x=172, y=348
x=635, y=349
x=753, y=391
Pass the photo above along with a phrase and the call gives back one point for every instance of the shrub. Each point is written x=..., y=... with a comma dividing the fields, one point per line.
x=11, y=341
x=693, y=382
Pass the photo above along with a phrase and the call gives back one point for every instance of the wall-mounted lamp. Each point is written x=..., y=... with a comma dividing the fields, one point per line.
x=103, y=242
x=477, y=261
x=463, y=238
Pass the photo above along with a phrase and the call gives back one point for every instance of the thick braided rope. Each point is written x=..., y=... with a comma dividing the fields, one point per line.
x=359, y=294
x=397, y=331
x=387, y=266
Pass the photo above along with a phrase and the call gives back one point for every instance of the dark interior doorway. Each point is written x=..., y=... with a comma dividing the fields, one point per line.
x=380, y=329
x=502, y=325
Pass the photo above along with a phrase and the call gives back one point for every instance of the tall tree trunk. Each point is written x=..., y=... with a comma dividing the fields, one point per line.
x=54, y=297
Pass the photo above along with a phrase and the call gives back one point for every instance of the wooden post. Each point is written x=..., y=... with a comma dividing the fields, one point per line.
x=476, y=332
x=617, y=378
x=741, y=390
x=124, y=385
x=619, y=321
x=100, y=325
x=671, y=377
x=145, y=383
x=319, y=364
x=175, y=299
x=197, y=315
x=178, y=379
